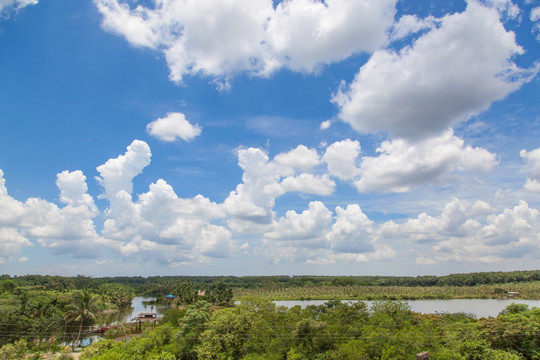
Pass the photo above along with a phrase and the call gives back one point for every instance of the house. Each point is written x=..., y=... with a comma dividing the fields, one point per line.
x=147, y=316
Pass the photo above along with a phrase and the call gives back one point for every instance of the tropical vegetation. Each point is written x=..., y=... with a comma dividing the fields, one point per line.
x=257, y=329
x=44, y=314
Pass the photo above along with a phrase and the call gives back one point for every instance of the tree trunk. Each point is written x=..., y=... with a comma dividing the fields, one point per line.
x=79, y=335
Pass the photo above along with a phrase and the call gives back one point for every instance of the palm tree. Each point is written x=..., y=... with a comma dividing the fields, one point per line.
x=82, y=310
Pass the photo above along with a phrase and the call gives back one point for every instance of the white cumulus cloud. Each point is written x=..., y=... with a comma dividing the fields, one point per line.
x=470, y=232
x=402, y=165
x=250, y=204
x=533, y=165
x=352, y=232
x=306, y=226
x=68, y=229
x=11, y=243
x=223, y=38
x=173, y=127
x=341, y=158
x=117, y=174
x=448, y=74
x=7, y=6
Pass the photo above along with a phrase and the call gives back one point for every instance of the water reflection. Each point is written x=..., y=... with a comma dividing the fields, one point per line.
x=123, y=315
x=477, y=307
x=128, y=313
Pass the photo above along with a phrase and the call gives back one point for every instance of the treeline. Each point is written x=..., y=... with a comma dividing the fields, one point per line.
x=153, y=285
x=256, y=329
x=187, y=292
x=48, y=318
x=45, y=313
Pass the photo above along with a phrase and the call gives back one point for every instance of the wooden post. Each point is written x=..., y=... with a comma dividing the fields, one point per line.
x=422, y=356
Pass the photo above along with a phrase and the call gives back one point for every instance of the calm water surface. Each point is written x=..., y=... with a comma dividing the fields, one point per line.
x=124, y=315
x=477, y=307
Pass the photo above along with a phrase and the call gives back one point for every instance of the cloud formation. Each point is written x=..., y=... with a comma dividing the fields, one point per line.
x=533, y=165
x=173, y=127
x=220, y=39
x=7, y=6
x=341, y=158
x=117, y=174
x=455, y=70
x=68, y=229
x=402, y=165
x=250, y=204
x=471, y=232
x=159, y=226
x=535, y=17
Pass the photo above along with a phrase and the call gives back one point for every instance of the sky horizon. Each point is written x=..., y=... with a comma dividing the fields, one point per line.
x=297, y=137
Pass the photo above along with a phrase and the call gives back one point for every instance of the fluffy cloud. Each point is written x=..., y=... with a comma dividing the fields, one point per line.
x=117, y=174
x=173, y=127
x=458, y=219
x=7, y=6
x=165, y=227
x=311, y=237
x=470, y=232
x=157, y=226
x=263, y=180
x=223, y=38
x=402, y=165
x=533, y=164
x=307, y=226
x=341, y=158
x=306, y=33
x=73, y=189
x=411, y=24
x=450, y=73
x=301, y=158
x=162, y=227
x=352, y=232
x=308, y=184
x=535, y=14
x=505, y=7
x=11, y=243
x=67, y=229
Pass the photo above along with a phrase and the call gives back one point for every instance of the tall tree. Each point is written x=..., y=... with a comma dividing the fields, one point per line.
x=82, y=310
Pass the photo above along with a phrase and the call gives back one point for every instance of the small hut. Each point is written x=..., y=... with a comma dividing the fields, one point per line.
x=148, y=318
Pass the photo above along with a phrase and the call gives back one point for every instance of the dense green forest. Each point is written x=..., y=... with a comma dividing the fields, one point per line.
x=43, y=314
x=257, y=329
x=154, y=285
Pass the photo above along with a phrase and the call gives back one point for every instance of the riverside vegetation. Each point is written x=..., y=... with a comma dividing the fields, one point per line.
x=42, y=314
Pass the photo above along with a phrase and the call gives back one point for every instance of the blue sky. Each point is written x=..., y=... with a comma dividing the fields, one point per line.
x=257, y=137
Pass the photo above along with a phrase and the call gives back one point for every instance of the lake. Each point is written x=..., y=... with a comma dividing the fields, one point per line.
x=478, y=307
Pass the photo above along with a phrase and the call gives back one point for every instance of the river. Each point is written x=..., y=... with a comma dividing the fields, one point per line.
x=477, y=307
